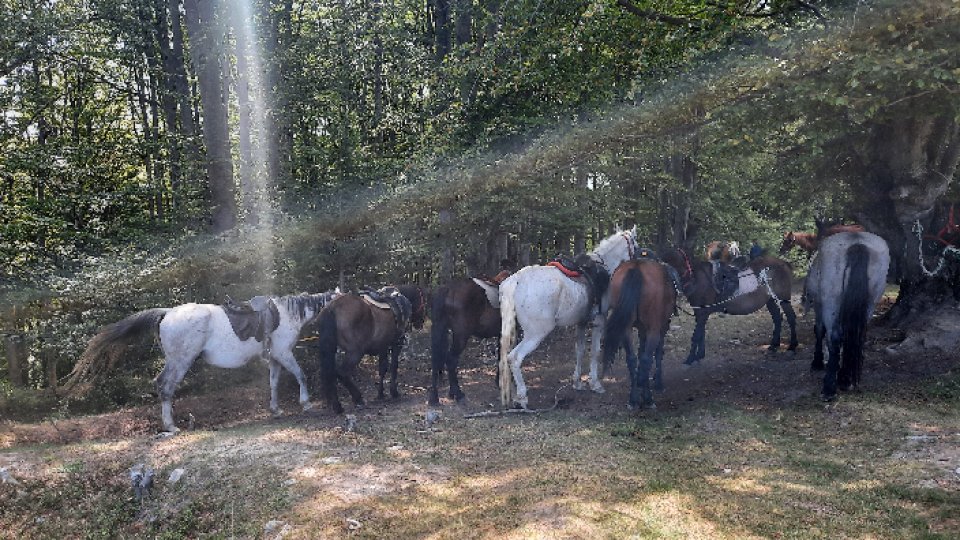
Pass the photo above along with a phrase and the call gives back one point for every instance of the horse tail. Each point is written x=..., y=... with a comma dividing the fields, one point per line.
x=101, y=355
x=853, y=309
x=327, y=339
x=630, y=290
x=508, y=331
x=439, y=330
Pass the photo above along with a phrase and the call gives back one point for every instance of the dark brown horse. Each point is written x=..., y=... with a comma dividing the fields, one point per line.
x=642, y=296
x=459, y=310
x=774, y=278
x=357, y=327
x=809, y=242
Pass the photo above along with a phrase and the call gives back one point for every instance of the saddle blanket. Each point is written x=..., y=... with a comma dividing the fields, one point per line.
x=747, y=282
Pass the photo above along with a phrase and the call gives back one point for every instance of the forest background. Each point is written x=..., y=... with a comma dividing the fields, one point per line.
x=162, y=152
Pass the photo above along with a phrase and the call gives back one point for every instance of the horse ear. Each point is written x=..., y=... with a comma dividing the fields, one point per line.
x=633, y=231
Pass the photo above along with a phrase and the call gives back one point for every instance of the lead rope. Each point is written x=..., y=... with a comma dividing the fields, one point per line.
x=763, y=277
x=918, y=229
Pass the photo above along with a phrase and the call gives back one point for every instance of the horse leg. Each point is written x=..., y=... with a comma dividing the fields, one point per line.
x=643, y=371
x=631, y=354
x=287, y=360
x=581, y=348
x=394, y=366
x=383, y=365
x=699, y=338
x=345, y=376
x=599, y=322
x=774, y=310
x=167, y=381
x=274, y=378
x=453, y=364
x=833, y=365
x=658, y=374
x=529, y=344
x=792, y=321
x=819, y=331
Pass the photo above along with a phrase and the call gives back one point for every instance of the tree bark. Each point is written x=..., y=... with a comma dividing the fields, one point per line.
x=206, y=38
x=905, y=166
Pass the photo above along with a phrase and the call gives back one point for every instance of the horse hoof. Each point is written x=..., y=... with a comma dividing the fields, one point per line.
x=394, y=394
x=276, y=413
x=651, y=406
x=306, y=405
x=170, y=430
x=578, y=385
x=828, y=399
x=598, y=389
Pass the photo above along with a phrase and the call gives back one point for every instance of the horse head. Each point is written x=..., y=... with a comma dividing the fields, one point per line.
x=788, y=241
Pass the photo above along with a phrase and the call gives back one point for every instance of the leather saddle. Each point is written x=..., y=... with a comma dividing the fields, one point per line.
x=256, y=318
x=726, y=280
x=390, y=298
x=583, y=266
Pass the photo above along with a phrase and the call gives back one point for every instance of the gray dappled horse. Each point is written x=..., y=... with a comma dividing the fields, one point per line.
x=846, y=280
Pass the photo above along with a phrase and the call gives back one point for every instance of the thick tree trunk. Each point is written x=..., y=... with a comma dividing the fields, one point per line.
x=441, y=28
x=206, y=35
x=248, y=189
x=906, y=166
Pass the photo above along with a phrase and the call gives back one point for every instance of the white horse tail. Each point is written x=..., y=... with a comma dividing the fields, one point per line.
x=508, y=335
x=100, y=352
x=854, y=310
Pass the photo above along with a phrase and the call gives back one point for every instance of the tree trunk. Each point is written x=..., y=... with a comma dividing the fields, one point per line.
x=168, y=98
x=907, y=165
x=16, y=360
x=441, y=29
x=206, y=38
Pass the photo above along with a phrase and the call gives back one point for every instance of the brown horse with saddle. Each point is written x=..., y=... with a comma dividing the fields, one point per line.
x=374, y=323
x=713, y=287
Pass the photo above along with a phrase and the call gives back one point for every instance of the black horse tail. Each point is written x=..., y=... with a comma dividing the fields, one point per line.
x=853, y=310
x=439, y=341
x=101, y=354
x=327, y=338
x=630, y=290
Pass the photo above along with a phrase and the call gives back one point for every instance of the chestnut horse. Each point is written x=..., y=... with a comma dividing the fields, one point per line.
x=642, y=296
x=358, y=328
x=810, y=241
x=459, y=310
x=774, y=278
x=723, y=251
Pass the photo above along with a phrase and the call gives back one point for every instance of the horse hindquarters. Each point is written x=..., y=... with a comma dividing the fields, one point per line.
x=327, y=332
x=624, y=316
x=854, y=314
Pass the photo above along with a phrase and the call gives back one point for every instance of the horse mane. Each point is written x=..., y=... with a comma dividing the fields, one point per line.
x=609, y=243
x=297, y=305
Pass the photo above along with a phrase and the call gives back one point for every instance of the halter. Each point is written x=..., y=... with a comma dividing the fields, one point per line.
x=686, y=261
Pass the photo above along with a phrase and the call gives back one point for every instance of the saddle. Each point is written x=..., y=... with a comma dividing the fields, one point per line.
x=595, y=274
x=390, y=298
x=726, y=280
x=256, y=318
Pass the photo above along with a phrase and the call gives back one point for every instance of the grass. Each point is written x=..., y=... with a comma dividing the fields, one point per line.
x=716, y=461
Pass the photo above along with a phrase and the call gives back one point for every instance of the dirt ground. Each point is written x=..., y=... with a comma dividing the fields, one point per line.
x=738, y=370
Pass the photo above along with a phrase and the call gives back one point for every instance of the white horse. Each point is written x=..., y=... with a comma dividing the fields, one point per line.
x=191, y=330
x=845, y=282
x=541, y=298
